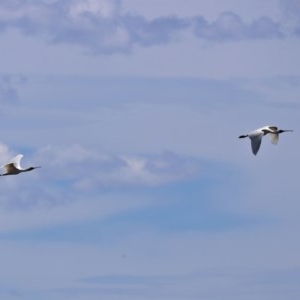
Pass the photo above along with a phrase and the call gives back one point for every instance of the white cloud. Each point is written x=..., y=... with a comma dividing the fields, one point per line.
x=68, y=187
x=230, y=27
x=42, y=208
x=291, y=16
x=291, y=8
x=46, y=198
x=100, y=26
x=87, y=168
x=103, y=8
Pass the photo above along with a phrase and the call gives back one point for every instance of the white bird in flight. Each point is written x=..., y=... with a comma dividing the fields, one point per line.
x=14, y=168
x=257, y=135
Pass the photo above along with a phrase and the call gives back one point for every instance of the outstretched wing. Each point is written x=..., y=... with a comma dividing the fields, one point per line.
x=11, y=169
x=274, y=138
x=16, y=161
x=256, y=142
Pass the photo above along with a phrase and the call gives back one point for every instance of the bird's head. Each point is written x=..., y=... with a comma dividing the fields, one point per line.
x=32, y=168
x=284, y=130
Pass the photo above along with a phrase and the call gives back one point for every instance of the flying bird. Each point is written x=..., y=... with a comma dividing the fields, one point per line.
x=14, y=168
x=257, y=135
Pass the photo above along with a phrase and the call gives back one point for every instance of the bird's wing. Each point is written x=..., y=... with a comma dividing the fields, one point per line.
x=255, y=142
x=16, y=161
x=273, y=128
x=11, y=169
x=274, y=138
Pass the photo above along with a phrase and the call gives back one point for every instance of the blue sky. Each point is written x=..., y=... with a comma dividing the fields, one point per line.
x=133, y=109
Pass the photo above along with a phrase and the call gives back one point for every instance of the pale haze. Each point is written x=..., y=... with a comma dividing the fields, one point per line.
x=133, y=109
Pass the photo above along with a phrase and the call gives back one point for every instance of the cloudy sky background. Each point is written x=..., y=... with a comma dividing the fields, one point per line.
x=133, y=109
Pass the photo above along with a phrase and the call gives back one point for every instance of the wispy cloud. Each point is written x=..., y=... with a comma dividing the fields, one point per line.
x=101, y=26
x=230, y=27
x=239, y=282
x=87, y=169
x=74, y=179
x=291, y=15
x=97, y=25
